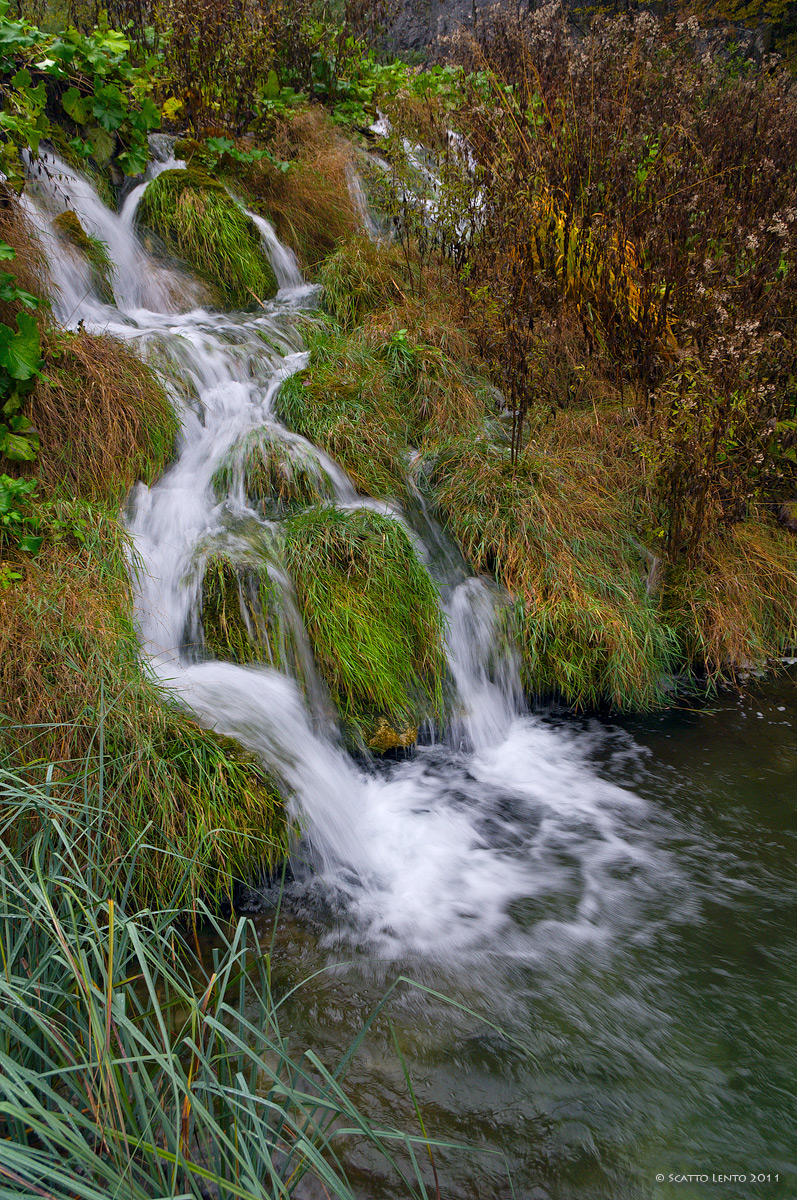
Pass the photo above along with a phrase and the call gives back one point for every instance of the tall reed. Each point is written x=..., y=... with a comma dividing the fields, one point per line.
x=129, y=1066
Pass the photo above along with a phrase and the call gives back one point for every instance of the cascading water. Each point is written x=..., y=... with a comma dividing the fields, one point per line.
x=432, y=854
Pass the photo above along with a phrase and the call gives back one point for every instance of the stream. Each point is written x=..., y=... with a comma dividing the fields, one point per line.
x=619, y=899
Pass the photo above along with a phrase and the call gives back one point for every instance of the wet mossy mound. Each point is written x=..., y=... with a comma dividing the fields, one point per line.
x=273, y=474
x=237, y=600
x=67, y=225
x=197, y=220
x=373, y=617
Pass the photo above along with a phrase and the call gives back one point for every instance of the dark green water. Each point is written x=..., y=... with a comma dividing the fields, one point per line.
x=664, y=1046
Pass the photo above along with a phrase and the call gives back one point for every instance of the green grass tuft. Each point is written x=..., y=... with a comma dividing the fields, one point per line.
x=371, y=396
x=131, y=1065
x=373, y=617
x=274, y=474
x=198, y=221
x=363, y=276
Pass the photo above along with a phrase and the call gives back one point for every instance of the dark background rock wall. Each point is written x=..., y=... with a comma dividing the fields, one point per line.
x=418, y=23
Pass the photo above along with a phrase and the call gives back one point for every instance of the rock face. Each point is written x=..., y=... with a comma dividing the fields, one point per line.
x=420, y=22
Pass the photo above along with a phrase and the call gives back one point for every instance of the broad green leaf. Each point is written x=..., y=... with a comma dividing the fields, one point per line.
x=30, y=544
x=37, y=96
x=271, y=90
x=22, y=79
x=109, y=107
x=220, y=145
x=102, y=142
x=134, y=160
x=17, y=448
x=7, y=251
x=75, y=105
x=147, y=117
x=20, y=353
x=81, y=148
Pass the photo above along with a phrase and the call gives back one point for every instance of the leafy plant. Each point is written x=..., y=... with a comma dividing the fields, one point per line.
x=84, y=81
x=16, y=520
x=20, y=362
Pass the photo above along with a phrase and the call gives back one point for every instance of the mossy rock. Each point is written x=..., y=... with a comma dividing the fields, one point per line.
x=374, y=621
x=274, y=475
x=67, y=225
x=198, y=221
x=384, y=737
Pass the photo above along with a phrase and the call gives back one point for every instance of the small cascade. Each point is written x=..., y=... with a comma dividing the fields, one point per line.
x=484, y=663
x=139, y=281
x=433, y=853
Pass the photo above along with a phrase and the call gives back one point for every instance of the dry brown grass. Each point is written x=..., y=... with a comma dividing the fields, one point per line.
x=29, y=266
x=558, y=530
x=737, y=608
x=103, y=419
x=309, y=204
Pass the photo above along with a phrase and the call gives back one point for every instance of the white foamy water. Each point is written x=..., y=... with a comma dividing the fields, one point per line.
x=498, y=834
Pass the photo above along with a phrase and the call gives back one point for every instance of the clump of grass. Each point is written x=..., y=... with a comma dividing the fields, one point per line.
x=273, y=474
x=29, y=265
x=362, y=276
x=197, y=220
x=373, y=617
x=736, y=607
x=372, y=395
x=557, y=529
x=104, y=421
x=95, y=252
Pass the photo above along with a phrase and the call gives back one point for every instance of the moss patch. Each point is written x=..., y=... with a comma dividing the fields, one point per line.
x=95, y=252
x=373, y=617
x=197, y=220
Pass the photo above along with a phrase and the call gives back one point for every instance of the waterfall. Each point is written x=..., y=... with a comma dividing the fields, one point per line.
x=434, y=853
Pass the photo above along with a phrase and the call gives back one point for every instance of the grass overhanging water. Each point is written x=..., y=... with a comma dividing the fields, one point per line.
x=132, y=1065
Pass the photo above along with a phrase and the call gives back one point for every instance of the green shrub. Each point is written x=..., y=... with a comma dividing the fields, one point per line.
x=198, y=221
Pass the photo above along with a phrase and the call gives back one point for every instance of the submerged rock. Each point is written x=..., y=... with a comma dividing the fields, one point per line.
x=385, y=737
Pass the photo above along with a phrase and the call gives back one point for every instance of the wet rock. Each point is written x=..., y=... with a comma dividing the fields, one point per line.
x=385, y=737
x=787, y=515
